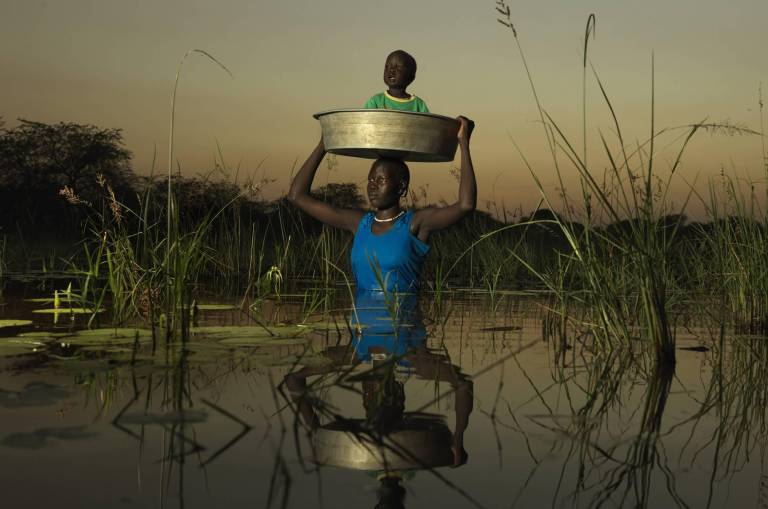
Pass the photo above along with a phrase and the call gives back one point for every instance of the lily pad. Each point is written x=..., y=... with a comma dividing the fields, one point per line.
x=44, y=335
x=108, y=336
x=263, y=341
x=32, y=395
x=14, y=323
x=216, y=307
x=111, y=349
x=10, y=347
x=115, y=332
x=13, y=351
x=67, y=311
x=251, y=331
x=42, y=437
x=24, y=342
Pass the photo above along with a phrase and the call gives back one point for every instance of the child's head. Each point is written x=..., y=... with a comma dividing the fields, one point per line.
x=399, y=70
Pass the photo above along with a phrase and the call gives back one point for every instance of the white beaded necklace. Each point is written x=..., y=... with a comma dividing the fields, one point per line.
x=388, y=220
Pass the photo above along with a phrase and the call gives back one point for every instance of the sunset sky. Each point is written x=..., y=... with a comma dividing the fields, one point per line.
x=113, y=63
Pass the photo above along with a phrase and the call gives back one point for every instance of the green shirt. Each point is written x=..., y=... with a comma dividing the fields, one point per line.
x=384, y=101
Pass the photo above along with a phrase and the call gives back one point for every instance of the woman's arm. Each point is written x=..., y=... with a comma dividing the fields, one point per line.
x=299, y=195
x=431, y=219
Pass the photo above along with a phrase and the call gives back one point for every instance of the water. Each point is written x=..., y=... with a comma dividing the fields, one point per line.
x=208, y=424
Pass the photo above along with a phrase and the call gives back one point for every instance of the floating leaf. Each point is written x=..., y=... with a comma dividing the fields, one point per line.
x=263, y=341
x=44, y=335
x=216, y=307
x=14, y=323
x=42, y=437
x=12, y=351
x=249, y=331
x=33, y=394
x=25, y=342
x=67, y=311
x=115, y=332
x=10, y=347
x=108, y=336
x=107, y=349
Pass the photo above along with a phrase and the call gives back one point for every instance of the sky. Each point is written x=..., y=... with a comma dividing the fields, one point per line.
x=112, y=64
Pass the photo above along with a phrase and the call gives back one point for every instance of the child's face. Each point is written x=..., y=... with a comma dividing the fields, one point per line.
x=398, y=72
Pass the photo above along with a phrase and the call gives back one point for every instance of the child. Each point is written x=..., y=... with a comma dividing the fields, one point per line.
x=399, y=72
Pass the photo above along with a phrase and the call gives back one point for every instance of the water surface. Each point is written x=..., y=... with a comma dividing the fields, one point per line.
x=213, y=422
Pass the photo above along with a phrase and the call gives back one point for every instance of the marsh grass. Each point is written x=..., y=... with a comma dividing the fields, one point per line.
x=612, y=262
x=733, y=246
x=621, y=233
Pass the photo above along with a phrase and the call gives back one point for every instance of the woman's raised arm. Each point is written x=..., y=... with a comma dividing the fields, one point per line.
x=298, y=194
x=430, y=219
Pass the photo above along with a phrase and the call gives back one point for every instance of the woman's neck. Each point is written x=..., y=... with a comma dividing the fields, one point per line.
x=388, y=214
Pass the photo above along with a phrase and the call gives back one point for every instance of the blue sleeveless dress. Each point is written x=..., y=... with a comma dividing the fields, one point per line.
x=394, y=257
x=394, y=328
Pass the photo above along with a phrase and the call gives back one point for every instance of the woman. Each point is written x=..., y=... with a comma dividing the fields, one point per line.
x=390, y=243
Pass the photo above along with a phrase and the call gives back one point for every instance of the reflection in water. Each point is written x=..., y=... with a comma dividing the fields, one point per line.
x=583, y=430
x=392, y=444
x=172, y=389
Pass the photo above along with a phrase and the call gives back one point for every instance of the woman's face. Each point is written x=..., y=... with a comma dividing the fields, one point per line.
x=384, y=186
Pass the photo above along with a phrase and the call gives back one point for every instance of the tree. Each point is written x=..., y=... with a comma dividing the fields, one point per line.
x=38, y=159
x=345, y=196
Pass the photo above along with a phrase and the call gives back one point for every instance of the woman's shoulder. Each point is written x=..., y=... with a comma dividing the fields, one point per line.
x=365, y=220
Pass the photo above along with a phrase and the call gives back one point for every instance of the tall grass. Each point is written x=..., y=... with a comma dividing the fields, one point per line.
x=621, y=233
x=181, y=260
x=731, y=251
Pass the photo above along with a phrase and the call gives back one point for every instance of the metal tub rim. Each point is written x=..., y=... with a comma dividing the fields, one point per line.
x=374, y=133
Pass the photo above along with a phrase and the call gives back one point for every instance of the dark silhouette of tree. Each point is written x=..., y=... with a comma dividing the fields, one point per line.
x=346, y=195
x=37, y=160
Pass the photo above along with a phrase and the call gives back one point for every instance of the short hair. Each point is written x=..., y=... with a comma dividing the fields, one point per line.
x=401, y=169
x=408, y=58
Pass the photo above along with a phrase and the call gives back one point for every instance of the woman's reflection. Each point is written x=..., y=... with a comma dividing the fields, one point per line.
x=388, y=347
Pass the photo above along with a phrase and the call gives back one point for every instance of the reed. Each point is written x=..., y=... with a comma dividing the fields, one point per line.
x=622, y=236
x=734, y=244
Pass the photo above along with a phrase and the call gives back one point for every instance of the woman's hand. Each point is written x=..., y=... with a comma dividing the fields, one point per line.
x=465, y=130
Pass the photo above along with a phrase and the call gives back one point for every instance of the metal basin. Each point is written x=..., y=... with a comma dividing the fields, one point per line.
x=418, y=443
x=403, y=135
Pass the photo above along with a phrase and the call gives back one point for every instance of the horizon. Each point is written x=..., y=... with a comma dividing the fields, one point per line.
x=116, y=65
